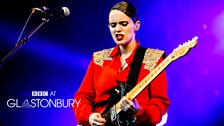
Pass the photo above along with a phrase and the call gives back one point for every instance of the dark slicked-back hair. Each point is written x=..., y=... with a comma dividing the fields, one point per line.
x=128, y=9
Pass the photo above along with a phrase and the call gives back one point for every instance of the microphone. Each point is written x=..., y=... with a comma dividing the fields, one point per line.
x=63, y=11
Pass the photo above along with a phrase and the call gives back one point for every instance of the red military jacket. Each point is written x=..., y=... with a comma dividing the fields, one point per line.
x=103, y=74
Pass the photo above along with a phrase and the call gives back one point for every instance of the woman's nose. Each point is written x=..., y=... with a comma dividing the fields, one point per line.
x=118, y=28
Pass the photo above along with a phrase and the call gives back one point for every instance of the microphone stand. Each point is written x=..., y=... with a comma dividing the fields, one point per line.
x=23, y=41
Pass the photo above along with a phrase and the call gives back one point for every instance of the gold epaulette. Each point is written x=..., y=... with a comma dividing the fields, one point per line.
x=100, y=56
x=151, y=58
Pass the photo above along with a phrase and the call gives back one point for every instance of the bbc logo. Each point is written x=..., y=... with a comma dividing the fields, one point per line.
x=39, y=93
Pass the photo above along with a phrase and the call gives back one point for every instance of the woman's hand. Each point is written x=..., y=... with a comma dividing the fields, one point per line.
x=128, y=105
x=95, y=119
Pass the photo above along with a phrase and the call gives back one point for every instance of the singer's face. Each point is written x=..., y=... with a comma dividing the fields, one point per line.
x=122, y=28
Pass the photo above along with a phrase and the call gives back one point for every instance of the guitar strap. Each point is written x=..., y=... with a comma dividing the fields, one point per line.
x=135, y=68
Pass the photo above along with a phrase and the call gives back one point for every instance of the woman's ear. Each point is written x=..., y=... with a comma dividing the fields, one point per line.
x=137, y=25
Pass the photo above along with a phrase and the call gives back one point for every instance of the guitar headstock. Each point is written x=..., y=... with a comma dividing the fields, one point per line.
x=183, y=49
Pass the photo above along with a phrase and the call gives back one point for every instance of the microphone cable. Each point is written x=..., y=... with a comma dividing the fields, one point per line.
x=24, y=27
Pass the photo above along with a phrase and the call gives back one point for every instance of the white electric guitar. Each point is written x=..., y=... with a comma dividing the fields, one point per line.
x=180, y=51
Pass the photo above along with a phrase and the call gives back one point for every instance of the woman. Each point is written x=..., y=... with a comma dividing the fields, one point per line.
x=111, y=66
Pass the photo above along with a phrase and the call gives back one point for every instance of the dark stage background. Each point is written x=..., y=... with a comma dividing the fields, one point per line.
x=56, y=57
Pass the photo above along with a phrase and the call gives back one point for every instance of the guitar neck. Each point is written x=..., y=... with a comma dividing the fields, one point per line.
x=146, y=81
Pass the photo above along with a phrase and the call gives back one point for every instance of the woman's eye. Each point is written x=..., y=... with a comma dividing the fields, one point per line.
x=113, y=25
x=125, y=23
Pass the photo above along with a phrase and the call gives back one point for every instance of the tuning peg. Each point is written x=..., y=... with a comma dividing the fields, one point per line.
x=195, y=38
